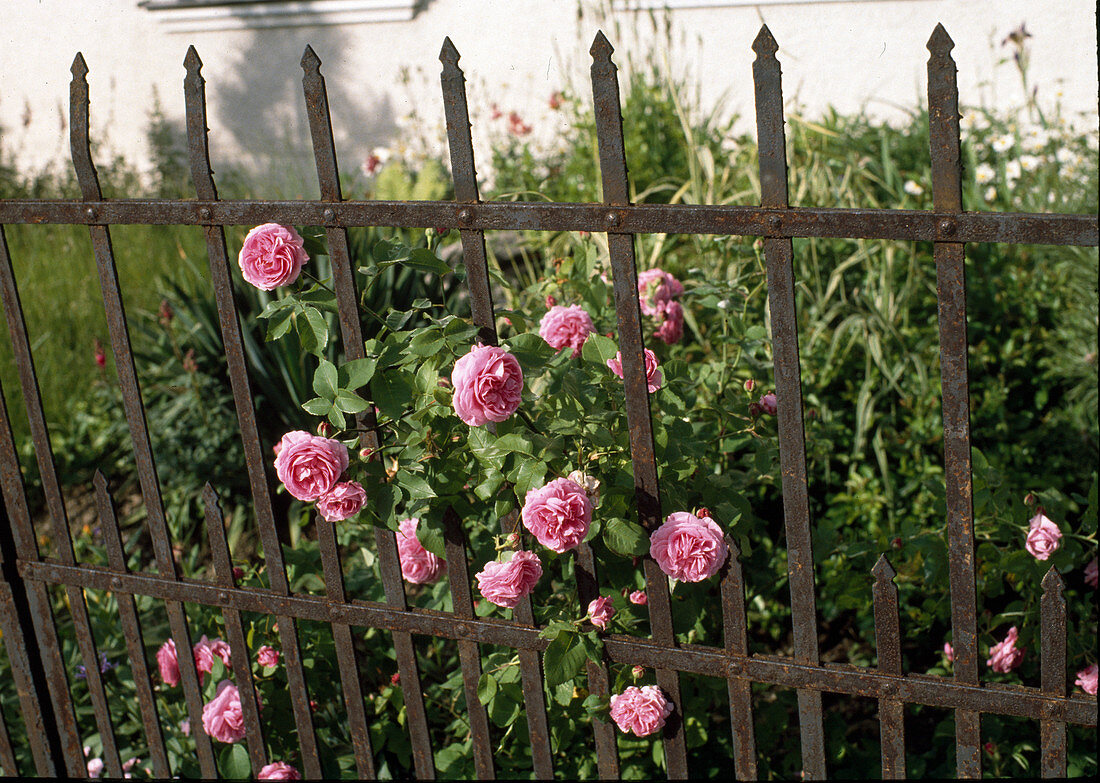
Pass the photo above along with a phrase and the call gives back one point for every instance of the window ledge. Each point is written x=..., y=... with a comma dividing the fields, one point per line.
x=189, y=16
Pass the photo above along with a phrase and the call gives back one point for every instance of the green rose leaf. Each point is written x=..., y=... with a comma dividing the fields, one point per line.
x=392, y=392
x=325, y=380
x=531, y=350
x=312, y=330
x=563, y=659
x=349, y=402
x=357, y=374
x=318, y=406
x=625, y=538
x=424, y=260
x=486, y=688
x=234, y=763
x=598, y=349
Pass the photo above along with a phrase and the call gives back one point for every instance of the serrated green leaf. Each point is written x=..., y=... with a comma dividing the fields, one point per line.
x=392, y=392
x=415, y=485
x=563, y=659
x=531, y=473
x=424, y=260
x=563, y=694
x=325, y=381
x=234, y=763
x=357, y=374
x=427, y=342
x=279, y=323
x=598, y=349
x=486, y=688
x=530, y=350
x=336, y=418
x=625, y=538
x=349, y=402
x=312, y=330
x=318, y=406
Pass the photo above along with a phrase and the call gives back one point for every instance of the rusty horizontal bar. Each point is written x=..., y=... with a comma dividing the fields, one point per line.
x=795, y=222
x=690, y=658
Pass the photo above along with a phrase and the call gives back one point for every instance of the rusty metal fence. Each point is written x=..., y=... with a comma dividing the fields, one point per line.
x=28, y=623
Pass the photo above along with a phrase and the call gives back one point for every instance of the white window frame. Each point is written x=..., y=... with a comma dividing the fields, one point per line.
x=190, y=16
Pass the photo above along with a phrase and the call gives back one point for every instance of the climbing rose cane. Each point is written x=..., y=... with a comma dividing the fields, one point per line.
x=272, y=256
x=1043, y=537
x=558, y=514
x=487, y=385
x=640, y=710
x=505, y=582
x=309, y=465
x=418, y=565
x=566, y=327
x=688, y=548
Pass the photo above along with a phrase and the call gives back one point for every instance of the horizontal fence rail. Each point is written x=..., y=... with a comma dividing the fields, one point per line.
x=29, y=624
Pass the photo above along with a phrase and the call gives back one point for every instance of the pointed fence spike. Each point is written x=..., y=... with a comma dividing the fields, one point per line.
x=1053, y=582
x=79, y=67
x=940, y=42
x=192, y=62
x=99, y=481
x=765, y=44
x=601, y=47
x=209, y=496
x=310, y=61
x=449, y=54
x=882, y=570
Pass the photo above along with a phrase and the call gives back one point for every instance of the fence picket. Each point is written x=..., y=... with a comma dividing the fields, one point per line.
x=1053, y=673
x=888, y=646
x=599, y=685
x=778, y=254
x=735, y=630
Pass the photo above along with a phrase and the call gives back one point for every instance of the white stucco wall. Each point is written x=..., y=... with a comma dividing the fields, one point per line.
x=514, y=53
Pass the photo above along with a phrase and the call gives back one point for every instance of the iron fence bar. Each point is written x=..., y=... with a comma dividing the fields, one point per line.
x=131, y=627
x=324, y=150
x=1014, y=700
x=8, y=765
x=238, y=646
x=195, y=95
x=778, y=254
x=481, y=303
x=599, y=685
x=468, y=654
x=616, y=192
x=891, y=712
x=728, y=220
x=114, y=310
x=943, y=121
x=735, y=630
x=1053, y=672
x=26, y=547
x=16, y=621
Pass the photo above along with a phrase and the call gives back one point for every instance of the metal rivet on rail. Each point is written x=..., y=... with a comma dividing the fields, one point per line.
x=733, y=668
x=204, y=213
x=91, y=213
x=223, y=596
x=890, y=688
x=775, y=222
x=462, y=630
x=612, y=218
x=947, y=226
x=465, y=215
x=329, y=216
x=116, y=583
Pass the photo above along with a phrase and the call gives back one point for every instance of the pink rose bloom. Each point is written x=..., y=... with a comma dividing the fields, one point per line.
x=505, y=582
x=600, y=612
x=639, y=598
x=488, y=382
x=640, y=710
x=1042, y=537
x=1086, y=678
x=1091, y=574
x=769, y=404
x=168, y=663
x=1003, y=656
x=949, y=652
x=418, y=565
x=95, y=768
x=653, y=375
x=565, y=327
x=342, y=501
x=280, y=770
x=309, y=465
x=222, y=718
x=558, y=514
x=688, y=548
x=656, y=290
x=267, y=656
x=672, y=329
x=272, y=255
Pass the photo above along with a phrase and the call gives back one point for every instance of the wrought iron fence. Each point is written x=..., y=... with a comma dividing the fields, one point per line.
x=28, y=622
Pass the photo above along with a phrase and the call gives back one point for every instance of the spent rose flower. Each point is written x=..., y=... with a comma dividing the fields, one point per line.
x=279, y=770
x=272, y=255
x=309, y=465
x=1091, y=574
x=653, y=375
x=688, y=548
x=267, y=656
x=640, y=710
x=488, y=382
x=1086, y=679
x=769, y=404
x=590, y=484
x=638, y=598
x=672, y=329
x=1003, y=656
x=418, y=565
x=344, y=500
x=558, y=514
x=222, y=717
x=566, y=327
x=504, y=582
x=168, y=663
x=600, y=612
x=1043, y=537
